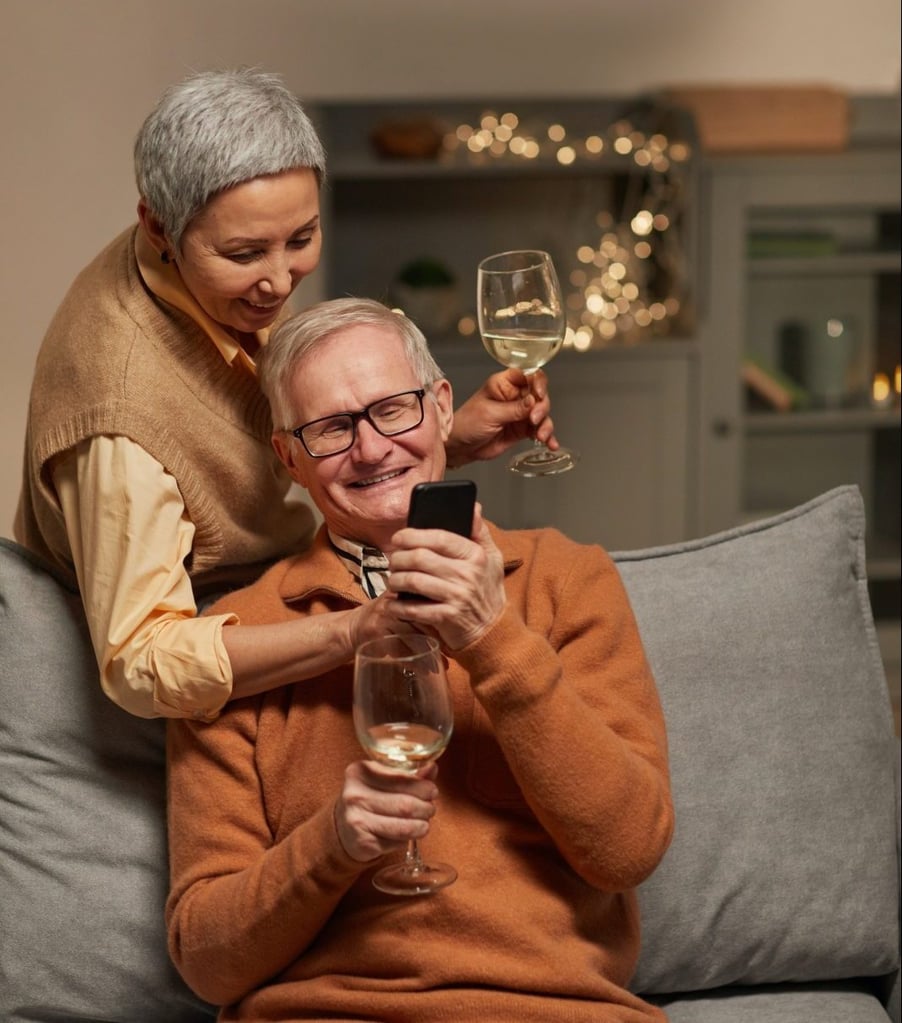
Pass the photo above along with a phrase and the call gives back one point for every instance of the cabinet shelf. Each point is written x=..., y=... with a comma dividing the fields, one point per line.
x=842, y=264
x=823, y=421
x=365, y=168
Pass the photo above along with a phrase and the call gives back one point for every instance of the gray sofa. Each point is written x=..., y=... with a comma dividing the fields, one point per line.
x=778, y=900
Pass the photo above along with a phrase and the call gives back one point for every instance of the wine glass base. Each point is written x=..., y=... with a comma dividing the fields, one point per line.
x=424, y=879
x=540, y=461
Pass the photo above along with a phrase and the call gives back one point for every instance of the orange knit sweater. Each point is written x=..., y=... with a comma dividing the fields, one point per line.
x=554, y=804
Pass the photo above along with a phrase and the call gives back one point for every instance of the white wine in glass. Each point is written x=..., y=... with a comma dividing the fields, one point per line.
x=403, y=717
x=522, y=323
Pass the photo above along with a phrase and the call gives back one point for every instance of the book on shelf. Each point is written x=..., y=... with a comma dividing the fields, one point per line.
x=772, y=388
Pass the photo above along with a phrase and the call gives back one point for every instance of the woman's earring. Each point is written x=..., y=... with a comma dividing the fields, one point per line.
x=164, y=256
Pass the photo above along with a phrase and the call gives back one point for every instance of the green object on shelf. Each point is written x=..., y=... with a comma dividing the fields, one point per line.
x=426, y=290
x=426, y=273
x=774, y=388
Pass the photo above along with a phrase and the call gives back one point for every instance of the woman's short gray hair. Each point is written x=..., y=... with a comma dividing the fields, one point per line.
x=298, y=336
x=214, y=130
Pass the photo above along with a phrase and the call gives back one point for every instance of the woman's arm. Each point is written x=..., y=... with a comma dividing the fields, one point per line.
x=129, y=536
x=508, y=408
x=156, y=657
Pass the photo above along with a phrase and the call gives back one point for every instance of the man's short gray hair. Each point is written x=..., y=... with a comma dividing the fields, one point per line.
x=298, y=336
x=215, y=130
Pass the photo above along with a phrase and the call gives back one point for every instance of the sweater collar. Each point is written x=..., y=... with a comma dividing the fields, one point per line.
x=165, y=281
x=322, y=562
x=319, y=571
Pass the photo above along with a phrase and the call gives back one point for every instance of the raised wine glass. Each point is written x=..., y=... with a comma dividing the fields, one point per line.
x=404, y=717
x=521, y=319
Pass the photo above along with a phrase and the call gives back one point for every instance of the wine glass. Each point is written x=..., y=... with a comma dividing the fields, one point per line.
x=403, y=717
x=521, y=319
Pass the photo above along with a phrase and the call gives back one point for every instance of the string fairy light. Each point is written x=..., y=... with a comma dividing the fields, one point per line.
x=617, y=278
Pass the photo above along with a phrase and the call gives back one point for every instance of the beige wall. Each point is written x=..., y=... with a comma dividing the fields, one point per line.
x=78, y=76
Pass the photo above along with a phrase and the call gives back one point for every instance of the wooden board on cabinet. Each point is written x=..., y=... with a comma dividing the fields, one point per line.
x=766, y=119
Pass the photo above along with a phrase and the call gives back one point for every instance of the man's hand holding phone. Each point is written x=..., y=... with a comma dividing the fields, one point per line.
x=445, y=504
x=451, y=577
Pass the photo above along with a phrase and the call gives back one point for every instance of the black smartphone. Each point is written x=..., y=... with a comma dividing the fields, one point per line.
x=445, y=504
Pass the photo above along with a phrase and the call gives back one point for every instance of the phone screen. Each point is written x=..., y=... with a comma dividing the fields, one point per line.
x=446, y=504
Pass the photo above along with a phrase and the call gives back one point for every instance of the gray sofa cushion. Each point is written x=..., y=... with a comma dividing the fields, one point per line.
x=825, y=1004
x=783, y=864
x=83, y=869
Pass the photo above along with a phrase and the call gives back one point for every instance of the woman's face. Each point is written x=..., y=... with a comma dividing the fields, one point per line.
x=248, y=249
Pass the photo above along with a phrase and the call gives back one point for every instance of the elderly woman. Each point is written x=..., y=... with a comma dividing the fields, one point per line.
x=149, y=476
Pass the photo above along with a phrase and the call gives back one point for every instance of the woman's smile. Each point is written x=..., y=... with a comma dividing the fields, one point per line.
x=250, y=247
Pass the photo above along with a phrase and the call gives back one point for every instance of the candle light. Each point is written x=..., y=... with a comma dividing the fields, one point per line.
x=881, y=392
x=896, y=375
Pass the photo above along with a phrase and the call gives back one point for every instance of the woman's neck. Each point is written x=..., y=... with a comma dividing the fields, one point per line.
x=249, y=342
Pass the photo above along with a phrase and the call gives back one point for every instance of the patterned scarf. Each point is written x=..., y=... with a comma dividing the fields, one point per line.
x=368, y=565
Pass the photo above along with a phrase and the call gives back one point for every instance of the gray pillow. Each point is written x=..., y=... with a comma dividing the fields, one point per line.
x=783, y=864
x=83, y=868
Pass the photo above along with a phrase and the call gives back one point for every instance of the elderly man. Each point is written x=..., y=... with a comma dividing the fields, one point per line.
x=553, y=797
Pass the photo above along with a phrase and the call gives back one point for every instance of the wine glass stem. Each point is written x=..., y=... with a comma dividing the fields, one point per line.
x=536, y=443
x=412, y=862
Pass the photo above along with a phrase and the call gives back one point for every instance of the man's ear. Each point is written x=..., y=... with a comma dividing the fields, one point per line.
x=153, y=229
x=286, y=446
x=444, y=400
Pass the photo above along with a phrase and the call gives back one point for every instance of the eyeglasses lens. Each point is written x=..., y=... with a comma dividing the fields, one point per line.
x=388, y=416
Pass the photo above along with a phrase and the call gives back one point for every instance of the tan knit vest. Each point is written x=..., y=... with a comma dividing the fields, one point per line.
x=117, y=361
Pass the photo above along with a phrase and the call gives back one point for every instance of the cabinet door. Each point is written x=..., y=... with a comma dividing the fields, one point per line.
x=748, y=301
x=626, y=412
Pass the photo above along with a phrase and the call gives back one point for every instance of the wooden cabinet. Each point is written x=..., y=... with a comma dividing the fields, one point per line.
x=803, y=277
x=627, y=413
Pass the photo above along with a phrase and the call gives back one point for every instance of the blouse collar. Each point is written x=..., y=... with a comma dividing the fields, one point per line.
x=165, y=281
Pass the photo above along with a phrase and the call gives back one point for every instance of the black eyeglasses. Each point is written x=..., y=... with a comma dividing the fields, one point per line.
x=388, y=416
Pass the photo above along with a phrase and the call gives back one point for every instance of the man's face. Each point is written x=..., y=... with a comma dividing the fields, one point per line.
x=363, y=493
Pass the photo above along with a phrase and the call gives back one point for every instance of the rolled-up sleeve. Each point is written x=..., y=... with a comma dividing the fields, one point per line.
x=157, y=658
